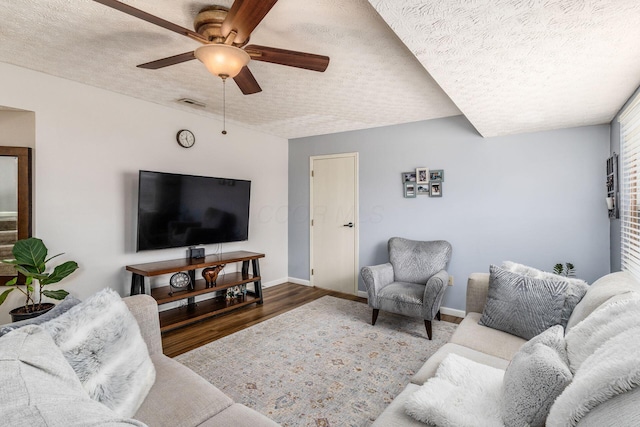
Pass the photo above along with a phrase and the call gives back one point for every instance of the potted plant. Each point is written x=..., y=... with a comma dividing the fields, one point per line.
x=567, y=270
x=31, y=261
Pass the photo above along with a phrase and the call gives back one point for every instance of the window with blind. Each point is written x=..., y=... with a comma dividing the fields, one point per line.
x=630, y=195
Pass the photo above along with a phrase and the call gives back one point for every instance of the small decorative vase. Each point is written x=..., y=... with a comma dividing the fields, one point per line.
x=20, y=313
x=210, y=274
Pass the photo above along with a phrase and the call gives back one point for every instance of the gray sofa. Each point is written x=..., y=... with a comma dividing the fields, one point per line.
x=180, y=397
x=496, y=348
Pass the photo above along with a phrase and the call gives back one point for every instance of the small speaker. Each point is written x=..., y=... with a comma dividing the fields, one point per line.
x=196, y=253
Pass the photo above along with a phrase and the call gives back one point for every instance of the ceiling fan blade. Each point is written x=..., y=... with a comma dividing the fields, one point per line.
x=130, y=10
x=165, y=62
x=308, y=61
x=246, y=82
x=244, y=16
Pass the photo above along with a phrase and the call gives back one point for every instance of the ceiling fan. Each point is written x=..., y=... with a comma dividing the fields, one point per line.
x=224, y=34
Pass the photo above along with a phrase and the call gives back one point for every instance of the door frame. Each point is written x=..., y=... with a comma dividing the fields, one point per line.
x=356, y=214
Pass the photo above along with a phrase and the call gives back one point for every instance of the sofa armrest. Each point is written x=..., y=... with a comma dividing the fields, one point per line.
x=376, y=277
x=477, y=290
x=145, y=309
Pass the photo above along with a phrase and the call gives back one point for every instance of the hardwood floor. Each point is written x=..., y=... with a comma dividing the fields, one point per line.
x=277, y=300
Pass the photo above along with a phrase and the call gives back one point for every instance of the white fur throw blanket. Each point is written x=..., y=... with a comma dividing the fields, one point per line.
x=463, y=393
x=612, y=367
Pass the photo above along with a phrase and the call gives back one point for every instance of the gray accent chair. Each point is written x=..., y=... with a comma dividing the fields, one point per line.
x=412, y=283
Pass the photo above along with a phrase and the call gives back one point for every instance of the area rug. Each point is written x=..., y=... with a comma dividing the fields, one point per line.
x=321, y=364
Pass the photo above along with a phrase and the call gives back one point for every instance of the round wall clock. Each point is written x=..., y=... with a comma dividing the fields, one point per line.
x=186, y=138
x=180, y=280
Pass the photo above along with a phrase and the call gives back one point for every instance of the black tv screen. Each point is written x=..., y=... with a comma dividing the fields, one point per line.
x=185, y=210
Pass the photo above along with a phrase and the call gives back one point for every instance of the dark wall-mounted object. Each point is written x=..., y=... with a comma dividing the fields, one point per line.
x=24, y=195
x=613, y=190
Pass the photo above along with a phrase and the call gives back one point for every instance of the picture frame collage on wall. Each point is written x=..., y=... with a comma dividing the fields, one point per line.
x=423, y=182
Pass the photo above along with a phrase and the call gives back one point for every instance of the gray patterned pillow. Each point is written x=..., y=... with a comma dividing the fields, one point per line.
x=575, y=291
x=521, y=305
x=536, y=376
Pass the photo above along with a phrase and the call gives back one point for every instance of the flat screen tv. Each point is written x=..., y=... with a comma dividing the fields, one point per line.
x=185, y=210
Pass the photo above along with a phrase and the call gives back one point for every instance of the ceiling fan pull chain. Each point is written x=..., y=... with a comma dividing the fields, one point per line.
x=224, y=106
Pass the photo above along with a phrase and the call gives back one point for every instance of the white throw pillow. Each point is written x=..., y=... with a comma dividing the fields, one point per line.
x=613, y=369
x=101, y=340
x=39, y=388
x=463, y=393
x=605, y=322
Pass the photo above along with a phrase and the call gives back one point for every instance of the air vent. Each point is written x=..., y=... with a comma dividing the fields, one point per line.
x=192, y=102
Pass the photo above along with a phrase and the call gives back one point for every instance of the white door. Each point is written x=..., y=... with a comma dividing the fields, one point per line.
x=334, y=226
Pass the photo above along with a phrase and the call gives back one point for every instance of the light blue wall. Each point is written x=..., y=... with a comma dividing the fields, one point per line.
x=532, y=198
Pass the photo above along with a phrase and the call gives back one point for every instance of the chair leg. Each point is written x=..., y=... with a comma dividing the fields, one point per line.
x=438, y=315
x=374, y=316
x=427, y=324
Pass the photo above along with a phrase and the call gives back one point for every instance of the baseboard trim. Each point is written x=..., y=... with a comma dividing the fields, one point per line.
x=362, y=294
x=274, y=282
x=299, y=281
x=452, y=312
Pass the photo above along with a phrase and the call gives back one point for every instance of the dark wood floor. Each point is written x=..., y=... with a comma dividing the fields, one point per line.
x=277, y=300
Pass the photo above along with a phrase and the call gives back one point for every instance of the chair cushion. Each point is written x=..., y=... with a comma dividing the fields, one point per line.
x=402, y=298
x=484, y=339
x=415, y=261
x=521, y=305
x=180, y=397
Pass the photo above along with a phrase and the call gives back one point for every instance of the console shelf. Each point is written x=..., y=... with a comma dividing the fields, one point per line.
x=193, y=312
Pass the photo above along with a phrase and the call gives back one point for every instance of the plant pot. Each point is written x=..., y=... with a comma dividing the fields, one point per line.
x=20, y=313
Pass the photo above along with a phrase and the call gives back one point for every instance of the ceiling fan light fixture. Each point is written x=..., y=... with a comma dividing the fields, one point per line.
x=222, y=60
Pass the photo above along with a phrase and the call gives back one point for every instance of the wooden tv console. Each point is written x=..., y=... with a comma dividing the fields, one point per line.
x=193, y=312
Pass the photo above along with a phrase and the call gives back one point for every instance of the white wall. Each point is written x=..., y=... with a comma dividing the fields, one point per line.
x=534, y=198
x=90, y=144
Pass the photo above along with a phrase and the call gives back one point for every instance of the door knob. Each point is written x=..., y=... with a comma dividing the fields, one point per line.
x=350, y=225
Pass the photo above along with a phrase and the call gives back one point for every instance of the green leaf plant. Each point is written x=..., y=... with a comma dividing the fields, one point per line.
x=567, y=270
x=31, y=261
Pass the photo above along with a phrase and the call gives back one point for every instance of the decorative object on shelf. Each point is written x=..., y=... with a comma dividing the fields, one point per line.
x=179, y=281
x=410, y=189
x=566, y=270
x=436, y=175
x=185, y=138
x=196, y=253
x=30, y=260
x=435, y=189
x=422, y=175
x=408, y=177
x=612, y=187
x=210, y=274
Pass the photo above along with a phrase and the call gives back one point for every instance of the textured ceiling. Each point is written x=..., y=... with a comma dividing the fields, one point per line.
x=509, y=65
x=525, y=65
x=372, y=79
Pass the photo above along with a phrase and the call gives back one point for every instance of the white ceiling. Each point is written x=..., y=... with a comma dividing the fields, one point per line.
x=509, y=66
